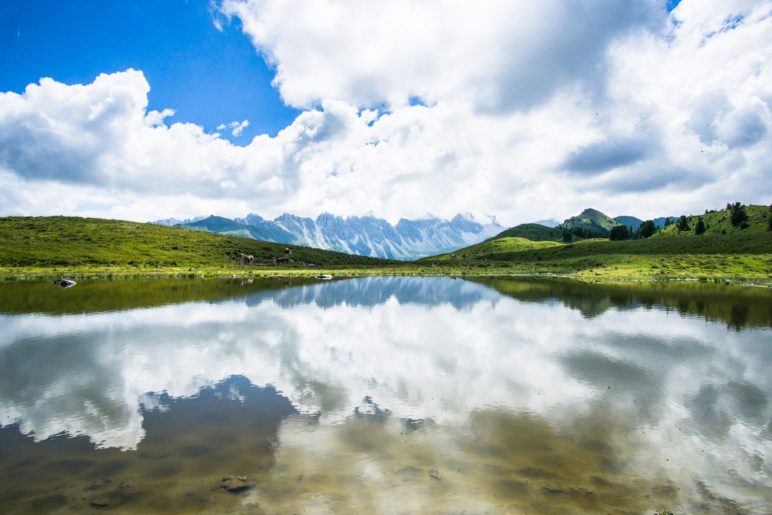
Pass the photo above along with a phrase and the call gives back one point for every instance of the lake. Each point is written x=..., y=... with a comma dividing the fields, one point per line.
x=385, y=394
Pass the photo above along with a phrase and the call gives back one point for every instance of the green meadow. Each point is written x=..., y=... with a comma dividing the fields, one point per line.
x=47, y=247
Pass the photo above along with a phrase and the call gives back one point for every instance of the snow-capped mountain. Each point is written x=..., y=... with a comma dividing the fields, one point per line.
x=363, y=235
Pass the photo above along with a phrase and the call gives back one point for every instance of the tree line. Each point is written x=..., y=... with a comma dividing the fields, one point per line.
x=737, y=216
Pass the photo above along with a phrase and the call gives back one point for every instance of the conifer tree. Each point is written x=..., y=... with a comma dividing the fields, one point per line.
x=700, y=227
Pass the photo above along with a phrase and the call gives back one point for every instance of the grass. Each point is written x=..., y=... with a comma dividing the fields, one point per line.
x=720, y=223
x=732, y=257
x=533, y=232
x=96, y=244
x=494, y=247
x=47, y=247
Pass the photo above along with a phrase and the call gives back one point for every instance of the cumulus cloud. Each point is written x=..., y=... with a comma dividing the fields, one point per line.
x=423, y=107
x=744, y=127
x=605, y=155
x=236, y=128
x=497, y=54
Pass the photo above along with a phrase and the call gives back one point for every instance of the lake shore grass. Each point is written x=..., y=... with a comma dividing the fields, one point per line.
x=739, y=269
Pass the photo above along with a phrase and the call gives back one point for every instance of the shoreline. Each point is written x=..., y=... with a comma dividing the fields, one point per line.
x=590, y=276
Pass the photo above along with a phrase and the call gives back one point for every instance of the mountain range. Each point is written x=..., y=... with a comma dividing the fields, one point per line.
x=407, y=240
x=365, y=235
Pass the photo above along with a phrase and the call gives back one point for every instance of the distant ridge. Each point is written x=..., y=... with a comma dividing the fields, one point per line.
x=630, y=221
x=549, y=222
x=360, y=235
x=258, y=231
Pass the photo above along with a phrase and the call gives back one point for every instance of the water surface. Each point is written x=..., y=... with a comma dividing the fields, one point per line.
x=385, y=394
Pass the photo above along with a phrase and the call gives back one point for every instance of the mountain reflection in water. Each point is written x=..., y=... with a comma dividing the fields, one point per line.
x=389, y=394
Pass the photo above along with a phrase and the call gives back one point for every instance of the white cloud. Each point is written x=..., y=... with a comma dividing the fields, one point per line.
x=495, y=54
x=676, y=107
x=236, y=127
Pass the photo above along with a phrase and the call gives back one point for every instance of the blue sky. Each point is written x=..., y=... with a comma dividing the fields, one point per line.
x=396, y=108
x=207, y=76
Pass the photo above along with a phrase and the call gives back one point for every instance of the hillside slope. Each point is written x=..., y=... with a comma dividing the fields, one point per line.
x=533, y=232
x=745, y=243
x=72, y=241
x=495, y=247
x=720, y=222
x=739, y=255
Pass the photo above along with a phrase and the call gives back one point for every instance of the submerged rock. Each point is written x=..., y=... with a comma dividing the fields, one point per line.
x=236, y=485
x=99, y=502
x=65, y=283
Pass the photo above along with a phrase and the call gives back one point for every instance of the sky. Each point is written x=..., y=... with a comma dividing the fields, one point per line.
x=522, y=110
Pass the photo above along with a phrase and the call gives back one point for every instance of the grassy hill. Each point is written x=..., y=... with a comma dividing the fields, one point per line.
x=720, y=223
x=491, y=249
x=590, y=220
x=533, y=232
x=525, y=250
x=70, y=241
x=737, y=255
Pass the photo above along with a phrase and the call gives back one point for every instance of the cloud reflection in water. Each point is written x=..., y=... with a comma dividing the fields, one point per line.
x=674, y=396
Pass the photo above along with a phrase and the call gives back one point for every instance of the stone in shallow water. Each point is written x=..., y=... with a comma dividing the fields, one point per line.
x=236, y=485
x=99, y=502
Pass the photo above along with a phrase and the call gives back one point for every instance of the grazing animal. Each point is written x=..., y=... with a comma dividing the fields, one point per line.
x=247, y=259
x=285, y=258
